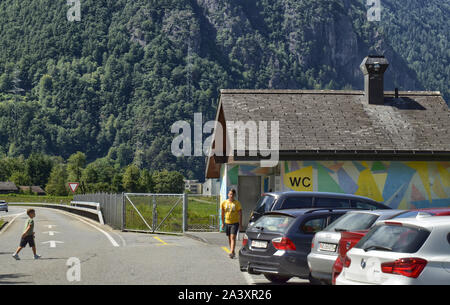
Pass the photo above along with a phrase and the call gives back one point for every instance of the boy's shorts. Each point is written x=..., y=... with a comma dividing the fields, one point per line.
x=27, y=240
x=232, y=228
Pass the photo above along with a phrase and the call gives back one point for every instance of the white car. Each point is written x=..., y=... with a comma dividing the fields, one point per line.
x=408, y=251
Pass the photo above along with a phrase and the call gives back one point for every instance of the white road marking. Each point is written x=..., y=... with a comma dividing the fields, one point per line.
x=12, y=220
x=11, y=215
x=50, y=233
x=50, y=226
x=124, y=243
x=53, y=243
x=113, y=242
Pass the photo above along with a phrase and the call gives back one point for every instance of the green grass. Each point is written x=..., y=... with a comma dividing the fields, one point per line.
x=199, y=211
x=11, y=198
x=1, y=222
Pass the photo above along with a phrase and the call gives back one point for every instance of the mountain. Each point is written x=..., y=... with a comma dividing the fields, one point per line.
x=112, y=84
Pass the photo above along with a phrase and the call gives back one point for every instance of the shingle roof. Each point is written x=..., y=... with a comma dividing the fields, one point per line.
x=8, y=186
x=328, y=120
x=35, y=189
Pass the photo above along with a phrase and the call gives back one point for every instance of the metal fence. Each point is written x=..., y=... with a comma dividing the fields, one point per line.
x=111, y=206
x=203, y=213
x=160, y=213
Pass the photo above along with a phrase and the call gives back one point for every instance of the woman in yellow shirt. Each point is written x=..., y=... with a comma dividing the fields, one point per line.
x=231, y=219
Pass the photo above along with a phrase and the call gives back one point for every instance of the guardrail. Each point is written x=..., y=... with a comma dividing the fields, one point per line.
x=86, y=209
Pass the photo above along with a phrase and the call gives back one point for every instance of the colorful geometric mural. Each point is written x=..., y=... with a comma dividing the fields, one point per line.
x=402, y=185
x=229, y=177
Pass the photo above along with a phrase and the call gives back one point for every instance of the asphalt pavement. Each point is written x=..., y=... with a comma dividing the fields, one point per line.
x=109, y=256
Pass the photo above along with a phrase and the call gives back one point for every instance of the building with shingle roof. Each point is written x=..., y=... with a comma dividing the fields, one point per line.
x=393, y=147
x=36, y=189
x=8, y=188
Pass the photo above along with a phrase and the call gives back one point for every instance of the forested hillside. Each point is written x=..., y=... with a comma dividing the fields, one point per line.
x=112, y=84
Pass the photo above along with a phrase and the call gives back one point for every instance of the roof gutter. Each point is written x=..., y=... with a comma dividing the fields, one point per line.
x=363, y=155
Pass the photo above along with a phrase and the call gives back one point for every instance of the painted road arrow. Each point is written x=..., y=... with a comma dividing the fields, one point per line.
x=50, y=226
x=52, y=243
x=50, y=233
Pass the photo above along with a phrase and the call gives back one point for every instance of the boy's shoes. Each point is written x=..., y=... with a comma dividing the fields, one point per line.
x=16, y=257
x=37, y=256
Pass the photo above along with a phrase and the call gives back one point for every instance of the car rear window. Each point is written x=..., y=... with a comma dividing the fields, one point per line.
x=324, y=202
x=365, y=205
x=314, y=225
x=297, y=203
x=395, y=238
x=353, y=222
x=410, y=214
x=264, y=204
x=273, y=223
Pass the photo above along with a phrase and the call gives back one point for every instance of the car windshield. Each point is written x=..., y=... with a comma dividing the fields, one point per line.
x=273, y=223
x=353, y=222
x=393, y=237
x=264, y=204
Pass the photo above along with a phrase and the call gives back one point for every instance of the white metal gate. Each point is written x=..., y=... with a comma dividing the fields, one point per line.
x=155, y=213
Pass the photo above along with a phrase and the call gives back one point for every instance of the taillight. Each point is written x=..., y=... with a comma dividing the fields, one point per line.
x=312, y=245
x=410, y=267
x=244, y=240
x=337, y=268
x=347, y=261
x=348, y=241
x=283, y=243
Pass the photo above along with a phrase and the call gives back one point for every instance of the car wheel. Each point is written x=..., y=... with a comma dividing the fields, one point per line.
x=275, y=278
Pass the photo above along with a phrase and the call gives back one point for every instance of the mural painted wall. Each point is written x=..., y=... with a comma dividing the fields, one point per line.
x=234, y=171
x=401, y=185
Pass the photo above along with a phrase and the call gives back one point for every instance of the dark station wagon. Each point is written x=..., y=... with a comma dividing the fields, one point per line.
x=275, y=201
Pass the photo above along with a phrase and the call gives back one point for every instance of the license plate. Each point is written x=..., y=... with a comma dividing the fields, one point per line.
x=327, y=247
x=259, y=244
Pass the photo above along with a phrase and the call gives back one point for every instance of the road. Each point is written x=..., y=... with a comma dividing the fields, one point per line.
x=112, y=257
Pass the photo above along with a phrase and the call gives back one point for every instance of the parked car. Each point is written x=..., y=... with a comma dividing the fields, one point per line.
x=324, y=246
x=3, y=206
x=405, y=251
x=277, y=244
x=350, y=238
x=300, y=200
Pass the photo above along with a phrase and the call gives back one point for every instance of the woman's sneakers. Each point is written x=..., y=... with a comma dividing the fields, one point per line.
x=36, y=256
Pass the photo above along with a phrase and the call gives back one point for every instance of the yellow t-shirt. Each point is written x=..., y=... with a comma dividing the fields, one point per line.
x=231, y=210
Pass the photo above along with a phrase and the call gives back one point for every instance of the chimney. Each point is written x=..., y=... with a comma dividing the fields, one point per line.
x=373, y=67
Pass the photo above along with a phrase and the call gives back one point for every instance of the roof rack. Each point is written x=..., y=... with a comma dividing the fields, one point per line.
x=329, y=209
